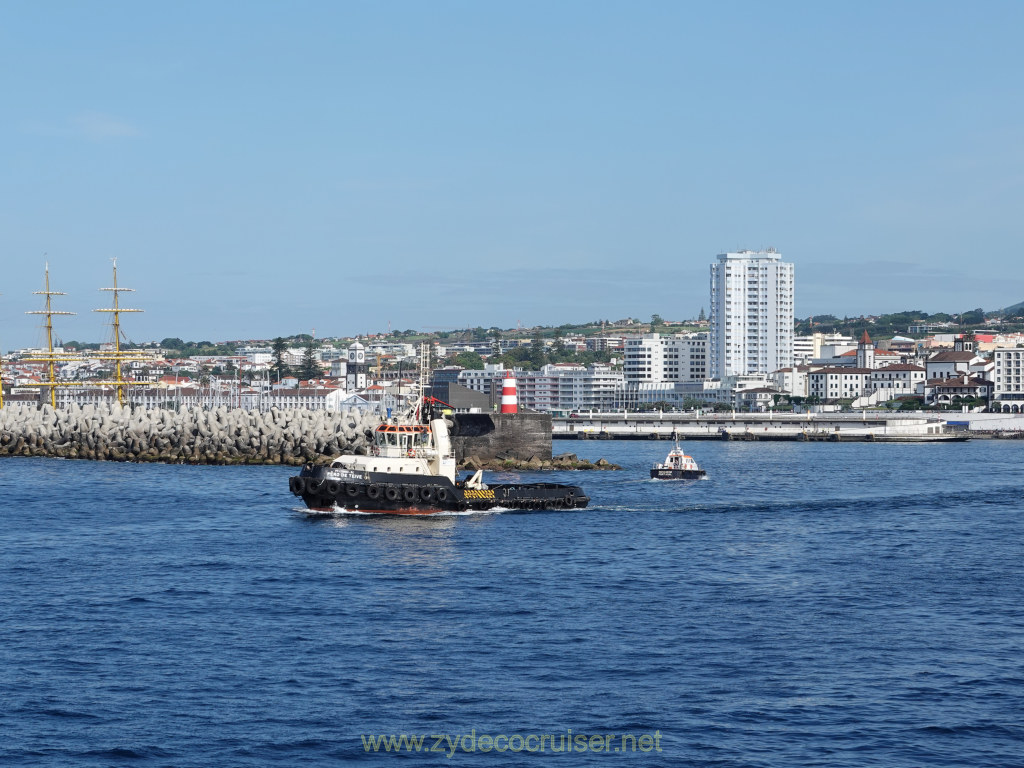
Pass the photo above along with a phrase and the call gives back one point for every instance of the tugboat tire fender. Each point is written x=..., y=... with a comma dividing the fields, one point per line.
x=391, y=493
x=333, y=487
x=373, y=491
x=313, y=486
x=296, y=485
x=352, y=489
x=442, y=494
x=409, y=493
x=426, y=493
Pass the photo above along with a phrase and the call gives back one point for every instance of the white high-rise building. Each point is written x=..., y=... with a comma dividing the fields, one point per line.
x=751, y=314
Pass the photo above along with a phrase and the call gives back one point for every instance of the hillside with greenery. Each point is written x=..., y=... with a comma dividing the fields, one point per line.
x=899, y=323
x=547, y=341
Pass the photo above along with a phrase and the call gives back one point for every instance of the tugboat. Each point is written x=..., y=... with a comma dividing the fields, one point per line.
x=677, y=465
x=410, y=470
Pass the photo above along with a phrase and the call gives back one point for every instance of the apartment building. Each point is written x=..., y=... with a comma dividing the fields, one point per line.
x=657, y=359
x=1008, y=375
x=751, y=320
x=808, y=348
x=557, y=387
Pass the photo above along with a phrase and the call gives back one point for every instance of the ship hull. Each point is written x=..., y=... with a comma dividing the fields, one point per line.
x=677, y=474
x=325, y=491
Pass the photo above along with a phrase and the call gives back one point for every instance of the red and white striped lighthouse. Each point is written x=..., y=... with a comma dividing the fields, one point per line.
x=509, y=399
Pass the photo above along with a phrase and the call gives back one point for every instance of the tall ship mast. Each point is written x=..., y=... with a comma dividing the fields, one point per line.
x=118, y=356
x=51, y=358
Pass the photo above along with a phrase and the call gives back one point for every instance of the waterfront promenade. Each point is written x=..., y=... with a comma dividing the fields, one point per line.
x=861, y=426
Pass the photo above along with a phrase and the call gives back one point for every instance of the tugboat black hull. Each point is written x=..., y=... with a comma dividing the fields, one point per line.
x=419, y=495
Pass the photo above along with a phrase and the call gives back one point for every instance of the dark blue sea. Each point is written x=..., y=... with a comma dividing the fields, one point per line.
x=806, y=605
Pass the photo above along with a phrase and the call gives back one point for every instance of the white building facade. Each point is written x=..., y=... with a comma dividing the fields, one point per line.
x=555, y=388
x=1008, y=394
x=751, y=314
x=808, y=348
x=657, y=359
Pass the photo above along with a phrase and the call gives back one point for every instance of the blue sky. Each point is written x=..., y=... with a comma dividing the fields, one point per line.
x=267, y=168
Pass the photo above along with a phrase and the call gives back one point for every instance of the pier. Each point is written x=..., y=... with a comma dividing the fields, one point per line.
x=834, y=427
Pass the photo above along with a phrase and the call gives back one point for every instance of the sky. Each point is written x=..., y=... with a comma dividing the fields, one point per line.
x=263, y=169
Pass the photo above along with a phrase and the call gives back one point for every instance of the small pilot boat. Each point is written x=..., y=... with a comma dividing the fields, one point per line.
x=677, y=465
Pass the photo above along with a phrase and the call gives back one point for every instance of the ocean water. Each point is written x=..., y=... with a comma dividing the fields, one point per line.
x=805, y=605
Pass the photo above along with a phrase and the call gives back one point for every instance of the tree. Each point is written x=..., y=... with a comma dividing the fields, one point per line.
x=656, y=320
x=310, y=368
x=538, y=356
x=470, y=360
x=974, y=317
x=558, y=348
x=279, y=366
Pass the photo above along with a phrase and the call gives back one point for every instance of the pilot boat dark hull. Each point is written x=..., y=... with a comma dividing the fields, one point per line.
x=659, y=473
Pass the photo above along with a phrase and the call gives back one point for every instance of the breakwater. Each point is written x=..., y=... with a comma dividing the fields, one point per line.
x=496, y=437
x=221, y=435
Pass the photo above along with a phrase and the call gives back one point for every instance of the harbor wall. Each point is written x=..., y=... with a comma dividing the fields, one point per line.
x=490, y=436
x=188, y=435
x=223, y=435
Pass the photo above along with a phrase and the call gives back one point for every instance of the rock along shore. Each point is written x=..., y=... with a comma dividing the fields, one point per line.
x=185, y=436
x=111, y=432
x=563, y=462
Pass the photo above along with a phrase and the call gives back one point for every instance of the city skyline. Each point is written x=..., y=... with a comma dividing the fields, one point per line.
x=640, y=326
x=344, y=166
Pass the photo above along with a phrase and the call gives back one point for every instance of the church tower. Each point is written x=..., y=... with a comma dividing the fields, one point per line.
x=355, y=371
x=965, y=343
x=866, y=352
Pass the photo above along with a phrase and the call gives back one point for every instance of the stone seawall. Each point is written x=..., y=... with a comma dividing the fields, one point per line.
x=188, y=435
x=500, y=436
